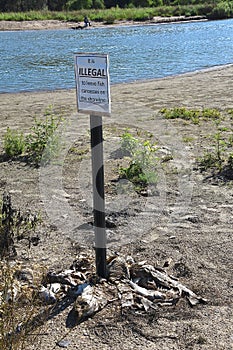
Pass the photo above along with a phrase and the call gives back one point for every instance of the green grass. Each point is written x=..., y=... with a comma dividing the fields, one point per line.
x=188, y=139
x=73, y=16
x=210, y=10
x=219, y=156
x=193, y=115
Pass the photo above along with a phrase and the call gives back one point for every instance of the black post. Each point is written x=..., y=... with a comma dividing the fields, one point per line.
x=98, y=194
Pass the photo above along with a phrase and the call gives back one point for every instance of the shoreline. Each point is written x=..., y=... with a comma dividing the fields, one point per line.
x=130, y=83
x=56, y=24
x=209, y=88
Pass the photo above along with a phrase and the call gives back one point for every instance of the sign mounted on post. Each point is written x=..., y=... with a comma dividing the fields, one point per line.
x=92, y=83
x=93, y=97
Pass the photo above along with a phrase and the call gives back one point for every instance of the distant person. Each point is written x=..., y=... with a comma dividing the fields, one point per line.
x=86, y=22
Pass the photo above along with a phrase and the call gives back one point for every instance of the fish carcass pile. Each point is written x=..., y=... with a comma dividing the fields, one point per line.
x=131, y=284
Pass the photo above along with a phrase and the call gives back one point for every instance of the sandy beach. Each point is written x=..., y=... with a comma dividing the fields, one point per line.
x=193, y=229
x=208, y=88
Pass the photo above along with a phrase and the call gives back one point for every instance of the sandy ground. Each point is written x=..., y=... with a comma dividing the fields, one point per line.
x=189, y=222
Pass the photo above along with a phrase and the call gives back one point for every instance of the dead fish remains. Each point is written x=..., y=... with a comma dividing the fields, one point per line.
x=135, y=285
x=132, y=284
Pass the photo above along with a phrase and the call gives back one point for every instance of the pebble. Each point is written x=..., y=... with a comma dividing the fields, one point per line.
x=63, y=343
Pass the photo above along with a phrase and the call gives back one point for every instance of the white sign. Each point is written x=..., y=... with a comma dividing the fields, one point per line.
x=92, y=83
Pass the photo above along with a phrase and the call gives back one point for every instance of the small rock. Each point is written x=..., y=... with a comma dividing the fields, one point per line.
x=110, y=223
x=63, y=343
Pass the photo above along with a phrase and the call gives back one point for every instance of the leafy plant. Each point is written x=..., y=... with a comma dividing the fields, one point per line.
x=222, y=10
x=109, y=20
x=220, y=157
x=42, y=144
x=14, y=143
x=209, y=160
x=129, y=143
x=141, y=170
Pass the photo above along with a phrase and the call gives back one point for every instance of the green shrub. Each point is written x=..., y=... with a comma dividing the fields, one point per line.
x=129, y=143
x=42, y=144
x=222, y=10
x=109, y=20
x=220, y=156
x=14, y=143
x=78, y=4
x=209, y=160
x=141, y=170
x=98, y=4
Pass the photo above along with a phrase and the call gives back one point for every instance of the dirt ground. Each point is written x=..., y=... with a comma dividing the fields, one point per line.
x=189, y=220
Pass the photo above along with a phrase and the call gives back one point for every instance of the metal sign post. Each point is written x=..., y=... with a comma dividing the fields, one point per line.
x=93, y=97
x=98, y=193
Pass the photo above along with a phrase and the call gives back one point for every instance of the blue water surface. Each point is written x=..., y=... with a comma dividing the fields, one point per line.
x=44, y=60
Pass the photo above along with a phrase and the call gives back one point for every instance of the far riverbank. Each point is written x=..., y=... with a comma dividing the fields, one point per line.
x=55, y=24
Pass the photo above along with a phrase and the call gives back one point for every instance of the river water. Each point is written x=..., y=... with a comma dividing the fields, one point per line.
x=44, y=60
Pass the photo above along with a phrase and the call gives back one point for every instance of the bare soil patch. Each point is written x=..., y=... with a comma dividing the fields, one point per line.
x=188, y=222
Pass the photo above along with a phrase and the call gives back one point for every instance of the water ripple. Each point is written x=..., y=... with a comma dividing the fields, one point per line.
x=44, y=60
